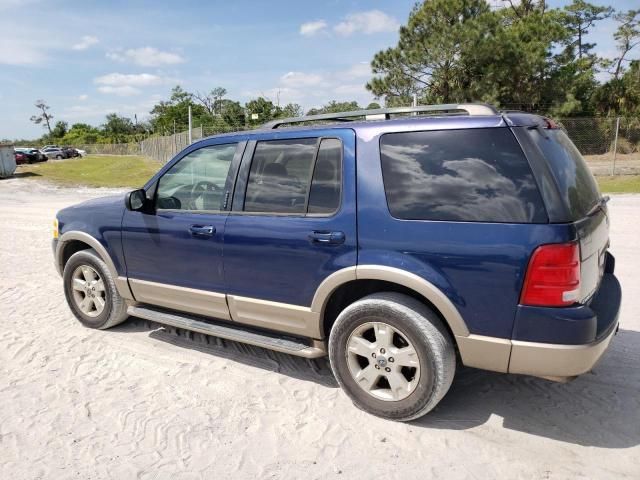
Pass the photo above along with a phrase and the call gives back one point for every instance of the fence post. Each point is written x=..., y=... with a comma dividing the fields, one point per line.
x=615, y=147
x=189, y=124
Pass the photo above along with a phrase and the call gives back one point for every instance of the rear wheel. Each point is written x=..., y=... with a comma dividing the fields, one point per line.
x=91, y=292
x=59, y=157
x=392, y=355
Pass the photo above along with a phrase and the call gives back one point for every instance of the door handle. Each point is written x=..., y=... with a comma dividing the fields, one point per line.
x=327, y=238
x=202, y=230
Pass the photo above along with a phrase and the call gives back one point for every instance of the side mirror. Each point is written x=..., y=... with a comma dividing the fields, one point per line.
x=136, y=201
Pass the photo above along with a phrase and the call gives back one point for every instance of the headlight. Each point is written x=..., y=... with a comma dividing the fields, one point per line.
x=55, y=228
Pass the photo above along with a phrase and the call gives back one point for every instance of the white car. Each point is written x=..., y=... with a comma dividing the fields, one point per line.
x=81, y=152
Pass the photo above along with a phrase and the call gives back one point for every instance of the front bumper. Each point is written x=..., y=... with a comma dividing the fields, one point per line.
x=54, y=247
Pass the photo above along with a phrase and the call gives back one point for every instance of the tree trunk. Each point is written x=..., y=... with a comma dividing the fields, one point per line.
x=46, y=119
x=579, y=42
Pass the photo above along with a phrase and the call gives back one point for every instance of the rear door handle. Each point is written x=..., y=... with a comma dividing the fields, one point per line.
x=327, y=238
x=202, y=230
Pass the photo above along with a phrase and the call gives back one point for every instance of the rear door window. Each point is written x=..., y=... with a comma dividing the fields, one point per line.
x=280, y=176
x=295, y=176
x=474, y=175
x=575, y=181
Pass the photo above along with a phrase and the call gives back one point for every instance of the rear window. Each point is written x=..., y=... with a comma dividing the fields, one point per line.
x=574, y=179
x=475, y=175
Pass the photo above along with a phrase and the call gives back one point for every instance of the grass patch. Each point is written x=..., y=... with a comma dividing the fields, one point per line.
x=95, y=170
x=619, y=184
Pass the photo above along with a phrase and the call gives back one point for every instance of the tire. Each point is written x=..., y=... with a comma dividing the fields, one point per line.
x=58, y=157
x=428, y=371
x=114, y=308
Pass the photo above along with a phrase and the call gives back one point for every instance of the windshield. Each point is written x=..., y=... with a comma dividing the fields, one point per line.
x=574, y=179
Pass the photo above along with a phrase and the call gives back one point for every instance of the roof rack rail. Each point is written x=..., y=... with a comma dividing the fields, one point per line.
x=385, y=113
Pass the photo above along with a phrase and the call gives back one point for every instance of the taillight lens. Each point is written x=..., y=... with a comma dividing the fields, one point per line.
x=553, y=276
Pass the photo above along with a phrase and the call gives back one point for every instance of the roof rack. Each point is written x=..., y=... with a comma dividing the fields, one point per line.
x=385, y=113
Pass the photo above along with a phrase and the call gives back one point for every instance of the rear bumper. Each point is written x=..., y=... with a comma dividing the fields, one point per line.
x=546, y=359
x=562, y=360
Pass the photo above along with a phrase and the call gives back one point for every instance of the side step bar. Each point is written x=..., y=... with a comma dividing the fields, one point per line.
x=238, y=333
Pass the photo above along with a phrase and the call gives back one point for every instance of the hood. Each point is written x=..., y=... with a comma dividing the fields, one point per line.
x=92, y=213
x=110, y=200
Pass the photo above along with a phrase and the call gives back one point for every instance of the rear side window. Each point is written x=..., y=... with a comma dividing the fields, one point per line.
x=295, y=176
x=574, y=179
x=475, y=175
x=324, y=197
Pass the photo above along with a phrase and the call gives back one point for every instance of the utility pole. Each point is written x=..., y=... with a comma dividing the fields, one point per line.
x=189, y=124
x=615, y=147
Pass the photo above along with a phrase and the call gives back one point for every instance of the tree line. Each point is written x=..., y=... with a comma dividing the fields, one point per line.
x=170, y=116
x=523, y=56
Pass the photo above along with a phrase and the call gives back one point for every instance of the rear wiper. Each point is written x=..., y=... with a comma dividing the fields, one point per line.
x=598, y=206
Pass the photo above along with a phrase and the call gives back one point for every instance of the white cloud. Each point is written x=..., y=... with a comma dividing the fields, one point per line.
x=127, y=85
x=313, y=89
x=310, y=29
x=9, y=4
x=359, y=70
x=95, y=112
x=299, y=79
x=146, y=57
x=86, y=42
x=16, y=51
x=122, y=91
x=83, y=97
x=372, y=21
x=132, y=80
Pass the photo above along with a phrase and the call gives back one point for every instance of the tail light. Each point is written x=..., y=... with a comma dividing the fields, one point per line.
x=553, y=276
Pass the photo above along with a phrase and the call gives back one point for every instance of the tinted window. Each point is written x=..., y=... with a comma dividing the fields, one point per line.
x=280, y=176
x=478, y=175
x=575, y=181
x=197, y=181
x=324, y=197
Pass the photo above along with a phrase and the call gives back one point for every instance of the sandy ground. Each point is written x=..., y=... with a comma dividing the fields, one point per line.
x=626, y=163
x=142, y=402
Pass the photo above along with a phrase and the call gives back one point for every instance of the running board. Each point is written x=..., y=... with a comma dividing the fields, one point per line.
x=272, y=341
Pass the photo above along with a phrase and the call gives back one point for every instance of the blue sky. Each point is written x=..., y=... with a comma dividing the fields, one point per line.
x=89, y=58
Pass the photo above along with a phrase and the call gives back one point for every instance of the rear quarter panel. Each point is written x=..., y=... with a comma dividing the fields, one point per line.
x=479, y=266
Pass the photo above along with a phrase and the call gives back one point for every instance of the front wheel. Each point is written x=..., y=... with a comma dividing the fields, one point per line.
x=392, y=355
x=59, y=157
x=91, y=291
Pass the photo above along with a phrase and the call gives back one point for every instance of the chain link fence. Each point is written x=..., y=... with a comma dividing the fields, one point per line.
x=611, y=146
x=112, y=148
x=165, y=148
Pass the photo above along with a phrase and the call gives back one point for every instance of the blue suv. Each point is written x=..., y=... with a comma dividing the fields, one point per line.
x=400, y=242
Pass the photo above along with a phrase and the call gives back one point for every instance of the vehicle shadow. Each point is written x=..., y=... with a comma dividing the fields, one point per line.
x=601, y=408
x=313, y=370
x=24, y=175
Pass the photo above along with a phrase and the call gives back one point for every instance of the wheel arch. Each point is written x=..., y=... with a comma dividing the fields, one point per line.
x=350, y=284
x=74, y=241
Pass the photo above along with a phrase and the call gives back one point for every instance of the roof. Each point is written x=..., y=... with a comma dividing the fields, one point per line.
x=379, y=121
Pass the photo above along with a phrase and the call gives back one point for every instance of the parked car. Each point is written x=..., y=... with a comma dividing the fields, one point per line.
x=50, y=146
x=56, y=153
x=70, y=152
x=402, y=247
x=32, y=154
x=81, y=153
x=21, y=157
